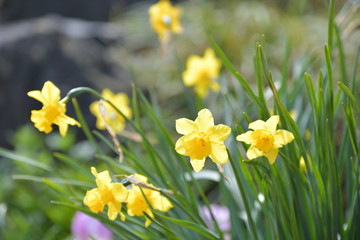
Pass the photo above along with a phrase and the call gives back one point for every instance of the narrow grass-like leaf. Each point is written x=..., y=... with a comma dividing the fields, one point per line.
x=55, y=180
x=73, y=163
x=16, y=157
x=84, y=125
x=190, y=225
x=242, y=81
x=244, y=197
x=348, y=92
x=114, y=225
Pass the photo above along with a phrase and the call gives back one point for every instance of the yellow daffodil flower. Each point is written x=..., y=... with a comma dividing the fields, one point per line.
x=137, y=204
x=106, y=193
x=52, y=112
x=265, y=140
x=115, y=120
x=202, y=139
x=302, y=165
x=201, y=73
x=164, y=19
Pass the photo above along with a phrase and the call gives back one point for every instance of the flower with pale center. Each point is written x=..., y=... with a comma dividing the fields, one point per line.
x=164, y=19
x=106, y=193
x=202, y=139
x=52, y=112
x=137, y=204
x=110, y=116
x=202, y=72
x=265, y=140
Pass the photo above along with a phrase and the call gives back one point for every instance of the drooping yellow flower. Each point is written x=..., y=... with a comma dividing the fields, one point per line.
x=164, y=19
x=265, y=140
x=111, y=116
x=202, y=139
x=106, y=193
x=201, y=73
x=137, y=204
x=52, y=112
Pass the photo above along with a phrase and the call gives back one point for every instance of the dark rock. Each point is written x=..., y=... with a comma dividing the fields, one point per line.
x=70, y=53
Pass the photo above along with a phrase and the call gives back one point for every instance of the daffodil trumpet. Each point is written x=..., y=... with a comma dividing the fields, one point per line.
x=265, y=139
x=202, y=139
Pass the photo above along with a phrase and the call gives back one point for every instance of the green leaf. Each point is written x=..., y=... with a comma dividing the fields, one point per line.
x=190, y=225
x=55, y=180
x=16, y=157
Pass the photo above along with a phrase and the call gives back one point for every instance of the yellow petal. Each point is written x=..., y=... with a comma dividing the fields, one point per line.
x=94, y=171
x=218, y=153
x=63, y=127
x=161, y=203
x=92, y=199
x=148, y=221
x=271, y=156
x=40, y=122
x=113, y=210
x=176, y=26
x=179, y=146
x=63, y=121
x=190, y=75
x=212, y=63
x=209, y=53
x=185, y=126
x=219, y=133
x=215, y=86
x=117, y=125
x=119, y=192
x=103, y=179
x=283, y=137
x=37, y=95
x=50, y=92
x=253, y=152
x=258, y=124
x=197, y=164
x=107, y=94
x=302, y=165
x=271, y=123
x=202, y=90
x=141, y=178
x=204, y=120
x=121, y=99
x=122, y=216
x=94, y=108
x=245, y=137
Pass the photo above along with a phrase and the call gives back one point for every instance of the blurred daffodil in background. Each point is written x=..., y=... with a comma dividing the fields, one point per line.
x=137, y=204
x=202, y=139
x=202, y=72
x=53, y=110
x=164, y=19
x=106, y=193
x=265, y=140
x=106, y=114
